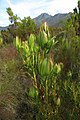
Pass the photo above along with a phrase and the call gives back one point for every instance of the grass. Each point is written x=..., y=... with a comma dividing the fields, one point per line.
x=10, y=87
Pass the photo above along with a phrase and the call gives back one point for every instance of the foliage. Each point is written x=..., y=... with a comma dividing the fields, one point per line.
x=21, y=27
x=35, y=54
x=1, y=40
x=63, y=102
x=49, y=90
x=67, y=49
x=52, y=88
x=76, y=19
x=46, y=70
x=25, y=27
x=10, y=93
x=12, y=17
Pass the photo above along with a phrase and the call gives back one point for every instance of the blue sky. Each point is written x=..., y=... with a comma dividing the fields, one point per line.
x=33, y=8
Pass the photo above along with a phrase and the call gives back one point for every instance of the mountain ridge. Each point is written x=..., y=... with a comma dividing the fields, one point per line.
x=3, y=28
x=57, y=20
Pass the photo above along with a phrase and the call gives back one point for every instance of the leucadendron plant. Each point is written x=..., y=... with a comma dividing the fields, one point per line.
x=36, y=55
x=39, y=64
x=54, y=98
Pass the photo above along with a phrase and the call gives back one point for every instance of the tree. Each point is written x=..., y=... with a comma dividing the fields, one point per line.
x=10, y=13
x=21, y=27
x=75, y=16
x=31, y=26
x=79, y=16
x=68, y=47
x=25, y=27
x=13, y=18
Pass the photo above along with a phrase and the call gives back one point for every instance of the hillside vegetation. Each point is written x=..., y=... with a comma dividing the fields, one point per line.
x=40, y=69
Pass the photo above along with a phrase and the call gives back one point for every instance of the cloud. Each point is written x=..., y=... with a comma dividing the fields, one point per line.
x=62, y=6
x=33, y=8
x=29, y=7
x=9, y=2
x=21, y=8
x=4, y=19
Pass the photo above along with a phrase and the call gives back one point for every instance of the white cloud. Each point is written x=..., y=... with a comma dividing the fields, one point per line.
x=4, y=19
x=62, y=6
x=25, y=8
x=8, y=1
x=33, y=8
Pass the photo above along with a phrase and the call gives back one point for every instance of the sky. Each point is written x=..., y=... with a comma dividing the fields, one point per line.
x=33, y=8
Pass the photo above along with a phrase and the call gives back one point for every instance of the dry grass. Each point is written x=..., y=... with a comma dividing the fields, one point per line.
x=10, y=87
x=7, y=53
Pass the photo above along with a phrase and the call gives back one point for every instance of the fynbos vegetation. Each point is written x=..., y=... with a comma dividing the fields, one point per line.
x=40, y=70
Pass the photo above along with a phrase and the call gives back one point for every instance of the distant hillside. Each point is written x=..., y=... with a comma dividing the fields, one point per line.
x=3, y=28
x=41, y=18
x=57, y=20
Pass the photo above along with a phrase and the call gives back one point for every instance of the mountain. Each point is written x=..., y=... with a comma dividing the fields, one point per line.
x=57, y=20
x=41, y=18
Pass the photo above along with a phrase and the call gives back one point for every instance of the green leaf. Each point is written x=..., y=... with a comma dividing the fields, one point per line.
x=31, y=42
x=33, y=92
